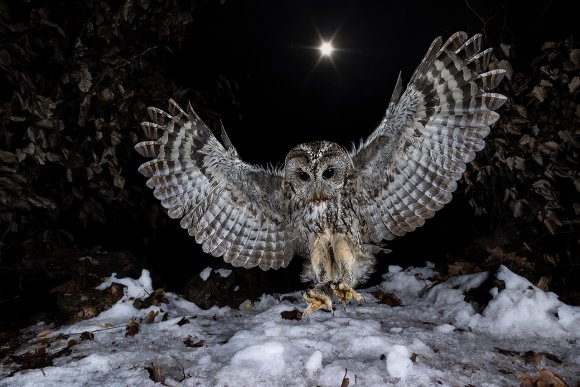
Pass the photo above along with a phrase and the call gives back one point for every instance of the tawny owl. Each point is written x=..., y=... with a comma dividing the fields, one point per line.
x=327, y=204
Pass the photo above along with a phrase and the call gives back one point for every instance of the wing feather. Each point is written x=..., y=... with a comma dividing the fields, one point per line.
x=412, y=161
x=233, y=209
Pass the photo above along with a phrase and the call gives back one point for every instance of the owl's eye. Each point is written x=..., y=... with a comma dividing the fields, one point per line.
x=328, y=173
x=303, y=176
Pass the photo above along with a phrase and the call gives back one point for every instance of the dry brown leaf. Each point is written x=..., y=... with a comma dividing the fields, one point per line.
x=539, y=92
x=87, y=335
x=149, y=317
x=532, y=357
x=506, y=65
x=549, y=379
x=526, y=380
x=7, y=157
x=575, y=56
x=86, y=78
x=574, y=84
x=132, y=328
x=390, y=299
x=291, y=314
x=521, y=110
x=505, y=48
x=155, y=372
x=44, y=333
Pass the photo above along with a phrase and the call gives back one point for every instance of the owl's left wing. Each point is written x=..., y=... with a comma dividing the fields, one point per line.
x=411, y=163
x=233, y=209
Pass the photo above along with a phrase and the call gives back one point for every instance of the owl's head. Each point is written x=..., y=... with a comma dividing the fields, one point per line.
x=316, y=171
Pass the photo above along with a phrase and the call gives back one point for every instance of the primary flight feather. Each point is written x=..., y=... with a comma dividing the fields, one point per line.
x=327, y=204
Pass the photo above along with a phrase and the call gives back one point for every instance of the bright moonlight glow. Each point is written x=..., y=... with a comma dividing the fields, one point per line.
x=326, y=48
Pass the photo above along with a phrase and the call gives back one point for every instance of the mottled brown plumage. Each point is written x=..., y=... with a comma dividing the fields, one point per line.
x=329, y=205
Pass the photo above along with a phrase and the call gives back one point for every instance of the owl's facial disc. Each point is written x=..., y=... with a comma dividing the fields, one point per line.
x=315, y=172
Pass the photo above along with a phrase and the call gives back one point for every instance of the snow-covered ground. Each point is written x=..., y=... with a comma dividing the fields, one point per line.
x=434, y=337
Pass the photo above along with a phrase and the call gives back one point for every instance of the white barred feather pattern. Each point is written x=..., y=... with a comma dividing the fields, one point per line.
x=233, y=209
x=327, y=204
x=410, y=164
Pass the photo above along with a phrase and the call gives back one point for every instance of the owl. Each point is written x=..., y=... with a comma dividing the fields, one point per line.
x=332, y=206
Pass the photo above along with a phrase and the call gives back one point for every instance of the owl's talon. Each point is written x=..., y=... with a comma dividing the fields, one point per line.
x=345, y=292
x=316, y=299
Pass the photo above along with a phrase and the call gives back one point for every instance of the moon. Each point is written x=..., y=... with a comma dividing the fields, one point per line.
x=326, y=49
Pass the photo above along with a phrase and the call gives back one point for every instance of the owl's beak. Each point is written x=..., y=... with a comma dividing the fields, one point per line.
x=317, y=196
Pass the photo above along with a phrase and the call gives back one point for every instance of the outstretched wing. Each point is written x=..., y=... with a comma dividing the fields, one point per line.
x=411, y=163
x=232, y=208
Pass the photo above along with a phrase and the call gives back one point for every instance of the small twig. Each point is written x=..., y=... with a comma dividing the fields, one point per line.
x=476, y=14
x=544, y=12
x=134, y=58
x=484, y=21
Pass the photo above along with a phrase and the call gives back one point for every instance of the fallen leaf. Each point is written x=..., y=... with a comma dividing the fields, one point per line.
x=532, y=357
x=390, y=299
x=526, y=380
x=149, y=317
x=132, y=328
x=7, y=157
x=87, y=335
x=155, y=372
x=44, y=333
x=551, y=357
x=291, y=314
x=543, y=378
x=85, y=82
x=183, y=321
x=193, y=343
x=574, y=84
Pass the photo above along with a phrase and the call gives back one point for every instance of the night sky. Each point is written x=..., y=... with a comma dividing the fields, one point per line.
x=287, y=95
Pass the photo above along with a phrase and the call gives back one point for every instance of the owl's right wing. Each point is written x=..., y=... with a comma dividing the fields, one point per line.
x=233, y=209
x=410, y=164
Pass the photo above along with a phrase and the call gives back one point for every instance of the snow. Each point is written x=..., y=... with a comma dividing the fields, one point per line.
x=434, y=338
x=205, y=273
x=224, y=273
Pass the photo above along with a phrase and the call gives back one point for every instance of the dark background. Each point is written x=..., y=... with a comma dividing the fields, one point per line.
x=253, y=65
x=287, y=95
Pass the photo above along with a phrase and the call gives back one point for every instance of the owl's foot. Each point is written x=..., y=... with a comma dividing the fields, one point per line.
x=317, y=298
x=345, y=292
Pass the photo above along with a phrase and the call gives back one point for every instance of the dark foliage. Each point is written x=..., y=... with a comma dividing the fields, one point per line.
x=76, y=88
x=527, y=181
